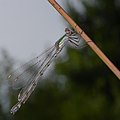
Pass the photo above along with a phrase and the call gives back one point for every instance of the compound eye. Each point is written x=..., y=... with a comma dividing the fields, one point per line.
x=66, y=29
x=68, y=32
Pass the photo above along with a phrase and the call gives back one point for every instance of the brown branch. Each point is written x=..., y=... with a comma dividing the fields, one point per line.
x=86, y=38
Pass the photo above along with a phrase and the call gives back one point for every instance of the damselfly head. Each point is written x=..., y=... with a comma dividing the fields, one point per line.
x=68, y=31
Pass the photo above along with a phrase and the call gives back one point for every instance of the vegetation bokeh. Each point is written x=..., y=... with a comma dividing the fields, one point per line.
x=81, y=86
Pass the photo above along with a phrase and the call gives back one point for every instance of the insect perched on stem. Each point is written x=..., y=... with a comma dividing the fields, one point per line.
x=26, y=78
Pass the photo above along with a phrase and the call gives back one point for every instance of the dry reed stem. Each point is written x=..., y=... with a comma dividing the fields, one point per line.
x=92, y=45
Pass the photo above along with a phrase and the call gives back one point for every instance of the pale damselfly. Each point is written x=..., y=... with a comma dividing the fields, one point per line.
x=26, y=78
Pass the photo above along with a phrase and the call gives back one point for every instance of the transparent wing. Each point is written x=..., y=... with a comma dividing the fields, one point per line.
x=27, y=76
x=23, y=75
x=30, y=86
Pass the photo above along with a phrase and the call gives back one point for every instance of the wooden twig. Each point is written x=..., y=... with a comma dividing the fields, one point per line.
x=86, y=38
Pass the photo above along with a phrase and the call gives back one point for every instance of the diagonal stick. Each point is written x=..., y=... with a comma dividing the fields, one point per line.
x=86, y=38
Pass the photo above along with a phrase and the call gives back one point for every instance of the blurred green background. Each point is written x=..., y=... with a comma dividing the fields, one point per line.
x=81, y=86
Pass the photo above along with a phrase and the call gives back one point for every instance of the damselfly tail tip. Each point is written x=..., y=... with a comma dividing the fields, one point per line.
x=15, y=108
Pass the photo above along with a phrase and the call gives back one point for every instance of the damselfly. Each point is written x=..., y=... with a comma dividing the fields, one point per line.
x=26, y=78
